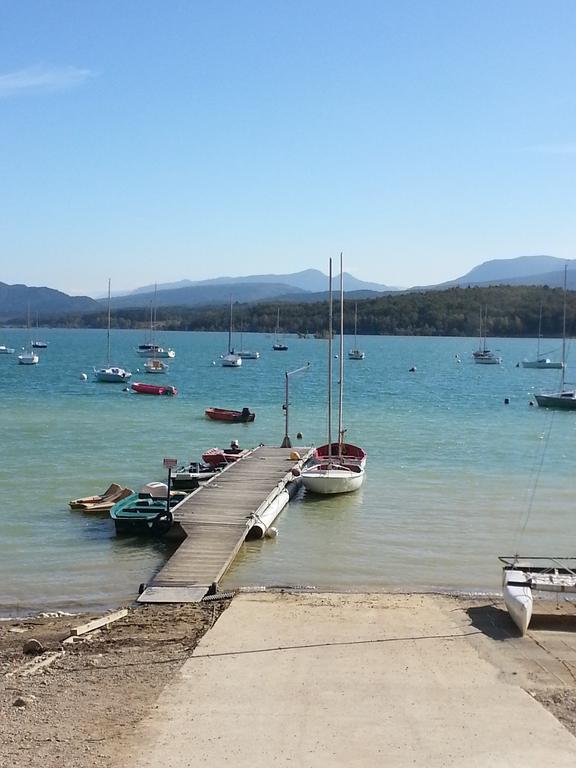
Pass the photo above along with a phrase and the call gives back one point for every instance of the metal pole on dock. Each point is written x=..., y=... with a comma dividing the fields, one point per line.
x=287, y=443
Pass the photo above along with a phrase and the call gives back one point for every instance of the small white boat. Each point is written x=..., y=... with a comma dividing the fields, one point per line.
x=155, y=366
x=487, y=358
x=232, y=359
x=564, y=399
x=483, y=356
x=28, y=357
x=356, y=354
x=278, y=346
x=541, y=360
x=4, y=350
x=246, y=354
x=524, y=576
x=109, y=374
x=331, y=478
x=155, y=351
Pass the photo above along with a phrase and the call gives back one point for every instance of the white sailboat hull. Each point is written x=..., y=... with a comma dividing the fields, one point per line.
x=157, y=352
x=518, y=598
x=336, y=479
x=541, y=364
x=231, y=361
x=111, y=375
x=27, y=358
x=356, y=354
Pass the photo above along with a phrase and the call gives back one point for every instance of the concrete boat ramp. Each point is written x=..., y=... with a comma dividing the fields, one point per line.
x=352, y=681
x=215, y=519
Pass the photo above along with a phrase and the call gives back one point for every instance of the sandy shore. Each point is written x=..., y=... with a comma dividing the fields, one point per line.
x=82, y=708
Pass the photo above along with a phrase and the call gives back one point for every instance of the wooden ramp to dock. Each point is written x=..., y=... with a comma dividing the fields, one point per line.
x=216, y=519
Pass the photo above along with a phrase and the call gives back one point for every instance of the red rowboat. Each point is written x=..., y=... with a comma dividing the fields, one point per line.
x=218, y=457
x=233, y=417
x=153, y=389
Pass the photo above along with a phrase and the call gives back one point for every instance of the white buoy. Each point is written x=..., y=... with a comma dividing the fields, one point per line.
x=271, y=533
x=84, y=377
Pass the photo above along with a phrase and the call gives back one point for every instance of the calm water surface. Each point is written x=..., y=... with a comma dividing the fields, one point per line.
x=455, y=477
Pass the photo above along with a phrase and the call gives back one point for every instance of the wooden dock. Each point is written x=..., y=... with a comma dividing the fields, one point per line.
x=216, y=518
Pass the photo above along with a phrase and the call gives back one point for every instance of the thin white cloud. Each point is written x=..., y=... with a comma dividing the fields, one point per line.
x=553, y=149
x=41, y=79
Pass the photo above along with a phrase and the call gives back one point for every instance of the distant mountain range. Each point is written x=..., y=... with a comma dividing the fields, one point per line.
x=306, y=286
x=523, y=270
x=17, y=300
x=309, y=280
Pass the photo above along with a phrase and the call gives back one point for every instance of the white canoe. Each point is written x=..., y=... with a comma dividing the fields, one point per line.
x=518, y=597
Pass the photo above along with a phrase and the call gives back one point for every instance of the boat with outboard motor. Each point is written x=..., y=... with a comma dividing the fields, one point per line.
x=192, y=475
x=141, y=388
x=230, y=416
x=146, y=512
x=220, y=457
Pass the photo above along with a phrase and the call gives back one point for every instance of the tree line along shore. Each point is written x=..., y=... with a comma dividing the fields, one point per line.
x=511, y=311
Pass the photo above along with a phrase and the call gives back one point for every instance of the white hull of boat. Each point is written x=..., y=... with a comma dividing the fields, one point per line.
x=334, y=480
x=492, y=360
x=111, y=375
x=231, y=361
x=158, y=352
x=247, y=355
x=155, y=366
x=518, y=598
x=28, y=358
x=6, y=350
x=541, y=364
x=356, y=354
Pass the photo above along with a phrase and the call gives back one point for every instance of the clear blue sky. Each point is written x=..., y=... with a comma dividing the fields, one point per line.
x=154, y=141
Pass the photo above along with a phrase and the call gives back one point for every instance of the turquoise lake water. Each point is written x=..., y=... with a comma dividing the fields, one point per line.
x=455, y=477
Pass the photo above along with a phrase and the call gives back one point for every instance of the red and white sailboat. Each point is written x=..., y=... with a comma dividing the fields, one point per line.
x=336, y=467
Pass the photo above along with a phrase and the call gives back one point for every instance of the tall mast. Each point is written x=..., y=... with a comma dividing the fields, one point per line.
x=330, y=360
x=562, y=377
x=355, y=326
x=230, y=329
x=108, y=332
x=341, y=362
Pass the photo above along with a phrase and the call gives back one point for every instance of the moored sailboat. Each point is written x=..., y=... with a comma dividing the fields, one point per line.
x=28, y=356
x=110, y=374
x=336, y=467
x=483, y=355
x=356, y=354
x=541, y=360
x=231, y=360
x=564, y=399
x=278, y=346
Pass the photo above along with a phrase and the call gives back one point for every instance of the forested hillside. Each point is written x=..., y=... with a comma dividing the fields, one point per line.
x=512, y=311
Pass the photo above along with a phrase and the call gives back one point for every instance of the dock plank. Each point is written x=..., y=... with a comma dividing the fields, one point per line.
x=216, y=519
